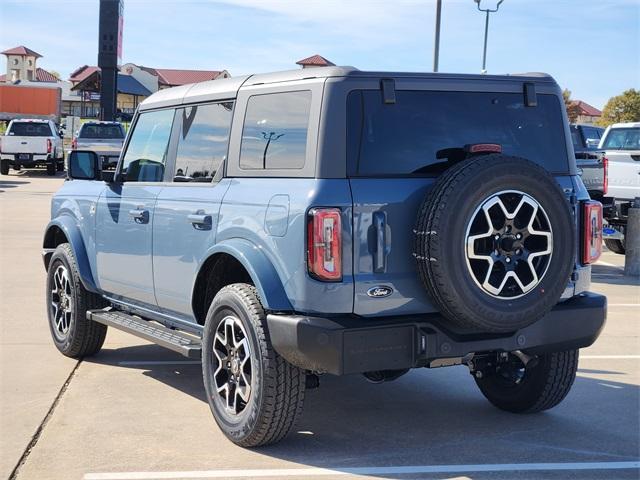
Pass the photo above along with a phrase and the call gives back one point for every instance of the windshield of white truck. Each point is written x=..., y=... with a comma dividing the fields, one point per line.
x=104, y=132
x=29, y=129
x=622, y=139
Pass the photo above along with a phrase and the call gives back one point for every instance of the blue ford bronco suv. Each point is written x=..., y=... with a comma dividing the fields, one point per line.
x=335, y=221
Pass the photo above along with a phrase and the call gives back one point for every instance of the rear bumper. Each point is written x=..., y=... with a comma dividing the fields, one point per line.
x=346, y=345
x=30, y=160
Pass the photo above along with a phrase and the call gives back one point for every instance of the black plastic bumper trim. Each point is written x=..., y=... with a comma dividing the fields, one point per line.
x=346, y=345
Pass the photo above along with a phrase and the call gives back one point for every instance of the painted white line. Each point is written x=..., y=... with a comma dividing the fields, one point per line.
x=324, y=472
x=134, y=363
x=609, y=357
x=637, y=305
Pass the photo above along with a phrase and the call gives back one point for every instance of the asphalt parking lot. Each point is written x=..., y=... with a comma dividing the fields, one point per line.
x=136, y=411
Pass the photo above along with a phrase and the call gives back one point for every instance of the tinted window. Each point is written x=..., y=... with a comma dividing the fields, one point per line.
x=275, y=131
x=146, y=154
x=30, y=129
x=95, y=130
x=622, y=139
x=203, y=142
x=576, y=137
x=423, y=129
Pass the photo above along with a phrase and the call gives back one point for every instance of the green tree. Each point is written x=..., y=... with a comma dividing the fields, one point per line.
x=622, y=108
x=570, y=105
x=55, y=74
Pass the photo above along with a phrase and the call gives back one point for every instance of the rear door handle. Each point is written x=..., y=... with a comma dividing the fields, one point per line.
x=139, y=215
x=379, y=256
x=200, y=220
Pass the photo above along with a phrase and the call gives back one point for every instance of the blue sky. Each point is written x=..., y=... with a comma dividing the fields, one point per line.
x=591, y=47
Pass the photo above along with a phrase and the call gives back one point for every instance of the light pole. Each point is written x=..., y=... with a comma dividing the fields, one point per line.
x=486, y=30
x=436, y=43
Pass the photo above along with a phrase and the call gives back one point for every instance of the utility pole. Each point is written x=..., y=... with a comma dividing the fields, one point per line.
x=486, y=30
x=436, y=43
x=109, y=54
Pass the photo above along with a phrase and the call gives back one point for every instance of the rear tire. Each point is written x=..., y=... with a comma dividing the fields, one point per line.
x=615, y=245
x=67, y=305
x=539, y=388
x=51, y=169
x=4, y=167
x=254, y=394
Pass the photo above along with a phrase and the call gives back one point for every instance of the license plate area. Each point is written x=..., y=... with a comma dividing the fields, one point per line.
x=24, y=156
x=379, y=349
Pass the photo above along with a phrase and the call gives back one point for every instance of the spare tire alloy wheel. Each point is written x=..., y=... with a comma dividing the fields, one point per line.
x=495, y=243
x=232, y=375
x=509, y=244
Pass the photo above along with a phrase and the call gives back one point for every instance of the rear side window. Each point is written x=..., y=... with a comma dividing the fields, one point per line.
x=30, y=129
x=104, y=132
x=274, y=135
x=423, y=129
x=203, y=142
x=146, y=155
x=622, y=139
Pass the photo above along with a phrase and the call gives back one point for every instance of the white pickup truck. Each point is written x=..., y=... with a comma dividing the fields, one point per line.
x=29, y=143
x=620, y=146
x=104, y=138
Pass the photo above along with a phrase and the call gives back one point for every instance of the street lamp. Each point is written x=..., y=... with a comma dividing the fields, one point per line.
x=486, y=30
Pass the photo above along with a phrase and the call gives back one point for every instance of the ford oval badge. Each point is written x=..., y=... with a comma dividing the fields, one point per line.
x=379, y=291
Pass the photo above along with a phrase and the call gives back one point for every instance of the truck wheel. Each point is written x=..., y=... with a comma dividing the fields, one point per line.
x=60, y=165
x=615, y=245
x=51, y=169
x=519, y=389
x=4, y=167
x=494, y=243
x=254, y=394
x=67, y=305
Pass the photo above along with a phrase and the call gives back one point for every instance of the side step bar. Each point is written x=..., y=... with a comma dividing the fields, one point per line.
x=188, y=345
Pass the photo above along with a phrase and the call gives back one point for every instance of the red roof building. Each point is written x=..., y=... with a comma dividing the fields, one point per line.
x=21, y=66
x=168, y=77
x=315, y=61
x=586, y=113
x=22, y=51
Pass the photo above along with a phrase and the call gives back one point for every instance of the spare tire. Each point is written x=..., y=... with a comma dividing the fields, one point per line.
x=495, y=243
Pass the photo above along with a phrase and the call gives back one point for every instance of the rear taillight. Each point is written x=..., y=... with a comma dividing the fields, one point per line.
x=592, y=230
x=605, y=175
x=49, y=146
x=74, y=144
x=324, y=244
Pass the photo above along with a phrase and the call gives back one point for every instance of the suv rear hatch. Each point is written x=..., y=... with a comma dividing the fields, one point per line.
x=396, y=152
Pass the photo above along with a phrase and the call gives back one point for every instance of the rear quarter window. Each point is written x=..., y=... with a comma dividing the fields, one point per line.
x=274, y=135
x=408, y=137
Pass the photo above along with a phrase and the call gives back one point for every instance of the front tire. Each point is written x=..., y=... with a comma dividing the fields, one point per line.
x=519, y=389
x=615, y=245
x=254, y=394
x=67, y=305
x=51, y=169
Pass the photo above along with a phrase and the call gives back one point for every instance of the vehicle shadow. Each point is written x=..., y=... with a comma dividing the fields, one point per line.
x=612, y=275
x=35, y=173
x=432, y=417
x=11, y=183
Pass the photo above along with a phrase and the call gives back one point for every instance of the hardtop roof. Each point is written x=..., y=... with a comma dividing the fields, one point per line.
x=227, y=88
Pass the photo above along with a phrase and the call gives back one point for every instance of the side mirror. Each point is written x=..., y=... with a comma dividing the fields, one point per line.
x=84, y=165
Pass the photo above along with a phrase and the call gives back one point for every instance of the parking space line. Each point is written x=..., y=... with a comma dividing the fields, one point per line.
x=324, y=472
x=637, y=305
x=134, y=363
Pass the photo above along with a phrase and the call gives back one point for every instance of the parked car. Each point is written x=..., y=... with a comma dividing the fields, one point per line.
x=585, y=139
x=104, y=138
x=335, y=221
x=621, y=147
x=31, y=143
